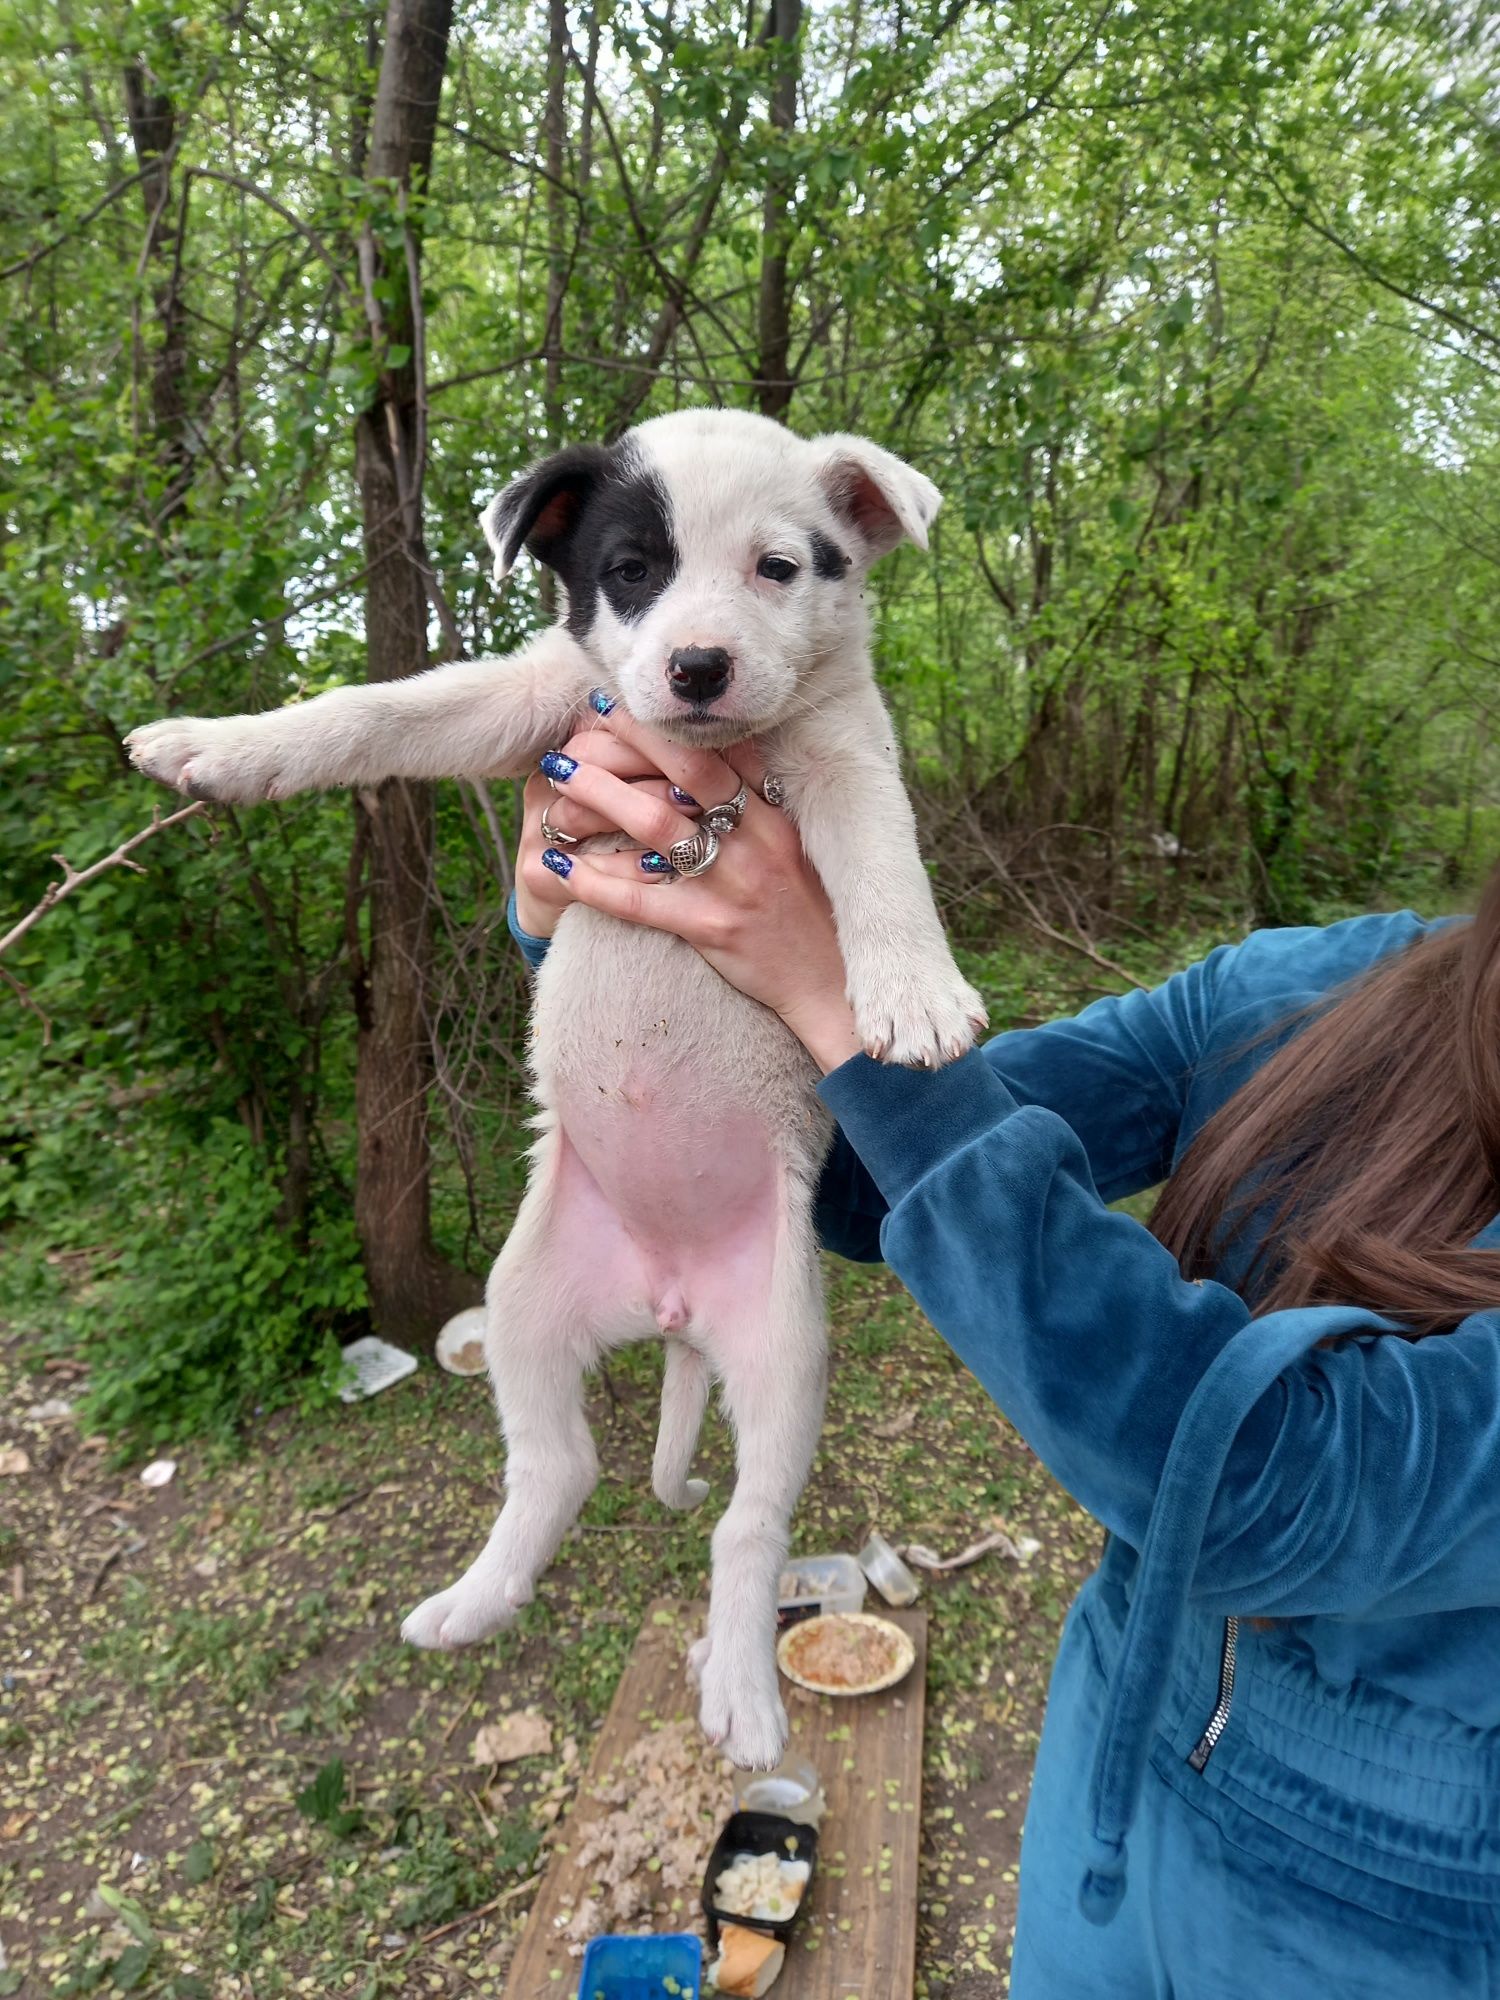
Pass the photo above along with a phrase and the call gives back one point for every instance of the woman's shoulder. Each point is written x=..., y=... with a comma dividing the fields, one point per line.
x=1277, y=972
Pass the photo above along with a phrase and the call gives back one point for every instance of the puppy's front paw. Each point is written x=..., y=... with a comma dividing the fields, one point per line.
x=472, y=1610
x=207, y=759
x=740, y=1709
x=921, y=1020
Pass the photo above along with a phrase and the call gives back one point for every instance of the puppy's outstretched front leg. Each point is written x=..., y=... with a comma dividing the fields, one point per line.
x=476, y=718
x=911, y=1003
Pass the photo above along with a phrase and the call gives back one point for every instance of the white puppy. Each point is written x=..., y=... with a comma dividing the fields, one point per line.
x=713, y=566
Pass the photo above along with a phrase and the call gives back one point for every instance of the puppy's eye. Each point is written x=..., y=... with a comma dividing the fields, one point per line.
x=631, y=571
x=778, y=569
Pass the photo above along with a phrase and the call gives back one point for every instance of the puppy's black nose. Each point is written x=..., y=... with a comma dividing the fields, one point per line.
x=698, y=673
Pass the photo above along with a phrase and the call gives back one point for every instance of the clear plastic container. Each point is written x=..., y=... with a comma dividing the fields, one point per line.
x=887, y=1572
x=793, y=1789
x=811, y=1585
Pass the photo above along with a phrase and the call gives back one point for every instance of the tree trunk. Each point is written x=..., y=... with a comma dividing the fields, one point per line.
x=153, y=131
x=773, y=384
x=412, y=1288
x=554, y=134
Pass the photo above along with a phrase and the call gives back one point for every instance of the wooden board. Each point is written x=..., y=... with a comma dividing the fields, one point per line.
x=858, y=1940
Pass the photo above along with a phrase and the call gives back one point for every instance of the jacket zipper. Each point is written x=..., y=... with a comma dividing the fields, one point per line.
x=1218, y=1722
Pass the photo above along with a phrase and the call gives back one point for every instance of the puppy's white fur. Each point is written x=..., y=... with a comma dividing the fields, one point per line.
x=681, y=1138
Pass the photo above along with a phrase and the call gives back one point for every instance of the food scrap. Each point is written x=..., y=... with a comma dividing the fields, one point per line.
x=665, y=1799
x=762, y=1886
x=748, y=1962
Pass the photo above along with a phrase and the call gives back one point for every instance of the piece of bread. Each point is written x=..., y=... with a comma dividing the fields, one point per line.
x=748, y=1963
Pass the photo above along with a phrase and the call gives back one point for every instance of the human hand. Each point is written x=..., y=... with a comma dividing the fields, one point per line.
x=759, y=914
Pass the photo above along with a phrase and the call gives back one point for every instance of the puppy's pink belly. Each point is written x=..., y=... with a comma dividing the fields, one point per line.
x=697, y=1206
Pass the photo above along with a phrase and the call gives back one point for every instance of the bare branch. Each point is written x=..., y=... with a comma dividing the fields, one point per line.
x=36, y=257
x=79, y=878
x=304, y=229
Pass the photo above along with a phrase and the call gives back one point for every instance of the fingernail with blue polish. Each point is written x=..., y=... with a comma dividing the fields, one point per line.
x=682, y=798
x=656, y=864
x=558, y=862
x=558, y=767
x=600, y=702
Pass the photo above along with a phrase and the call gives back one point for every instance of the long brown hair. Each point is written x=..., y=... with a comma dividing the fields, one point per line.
x=1364, y=1155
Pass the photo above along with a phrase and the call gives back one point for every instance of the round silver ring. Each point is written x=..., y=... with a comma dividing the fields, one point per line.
x=773, y=791
x=697, y=854
x=726, y=817
x=555, y=833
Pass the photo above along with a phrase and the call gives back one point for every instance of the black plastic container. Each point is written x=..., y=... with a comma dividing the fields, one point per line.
x=759, y=1833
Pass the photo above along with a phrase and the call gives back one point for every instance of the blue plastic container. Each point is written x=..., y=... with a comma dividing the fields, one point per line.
x=637, y=1968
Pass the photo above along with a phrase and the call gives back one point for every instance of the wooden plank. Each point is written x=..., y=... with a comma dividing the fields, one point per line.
x=859, y=1936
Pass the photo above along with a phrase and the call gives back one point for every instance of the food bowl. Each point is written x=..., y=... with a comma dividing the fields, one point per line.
x=637, y=1968
x=460, y=1342
x=847, y=1653
x=757, y=1833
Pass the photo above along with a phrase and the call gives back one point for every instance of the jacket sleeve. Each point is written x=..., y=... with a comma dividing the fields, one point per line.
x=1117, y=1074
x=532, y=949
x=1364, y=1475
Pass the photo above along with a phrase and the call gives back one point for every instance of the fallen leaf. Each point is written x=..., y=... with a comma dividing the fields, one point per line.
x=896, y=1426
x=53, y=1411
x=16, y=1823
x=13, y=1459
x=524, y=1734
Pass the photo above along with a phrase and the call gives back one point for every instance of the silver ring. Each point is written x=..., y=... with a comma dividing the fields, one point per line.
x=726, y=817
x=551, y=833
x=773, y=791
x=697, y=854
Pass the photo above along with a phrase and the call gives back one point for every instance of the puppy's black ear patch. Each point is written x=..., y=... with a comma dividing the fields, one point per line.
x=540, y=509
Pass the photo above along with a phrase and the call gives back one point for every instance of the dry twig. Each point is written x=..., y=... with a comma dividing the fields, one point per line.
x=78, y=878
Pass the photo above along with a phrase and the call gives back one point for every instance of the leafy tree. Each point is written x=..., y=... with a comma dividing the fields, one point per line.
x=1189, y=310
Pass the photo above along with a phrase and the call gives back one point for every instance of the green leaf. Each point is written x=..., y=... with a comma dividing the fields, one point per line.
x=257, y=1912
x=323, y=1801
x=198, y=1862
x=131, y=1967
x=131, y=1915
x=323, y=1797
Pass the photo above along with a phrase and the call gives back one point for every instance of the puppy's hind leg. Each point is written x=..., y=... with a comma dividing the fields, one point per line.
x=550, y=1465
x=770, y=1351
x=546, y=1311
x=684, y=1397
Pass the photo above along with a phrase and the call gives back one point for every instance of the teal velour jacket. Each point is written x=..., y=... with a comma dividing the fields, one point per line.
x=1244, y=1467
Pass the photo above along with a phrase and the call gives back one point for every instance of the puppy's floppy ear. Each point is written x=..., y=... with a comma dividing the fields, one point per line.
x=539, y=509
x=882, y=498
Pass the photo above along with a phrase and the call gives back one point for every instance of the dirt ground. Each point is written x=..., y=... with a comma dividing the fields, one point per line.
x=224, y=1775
